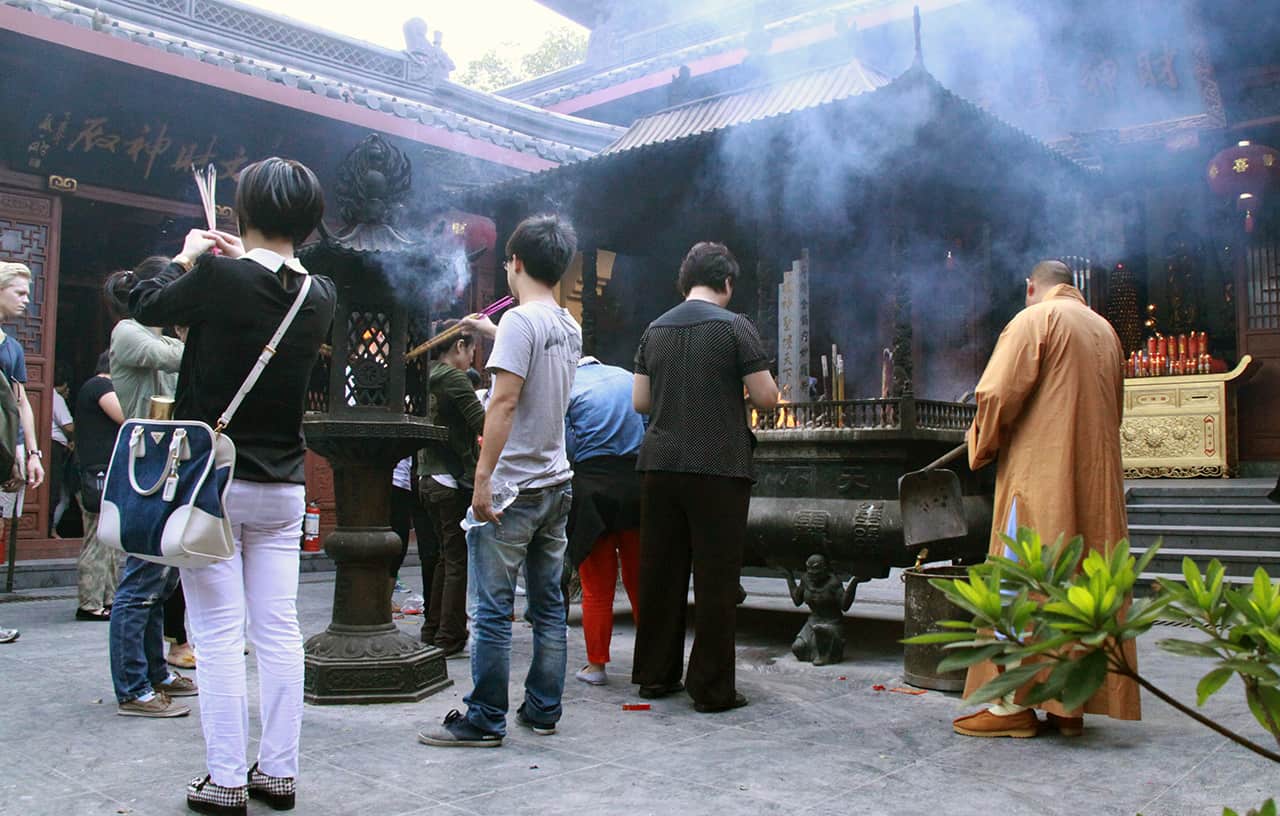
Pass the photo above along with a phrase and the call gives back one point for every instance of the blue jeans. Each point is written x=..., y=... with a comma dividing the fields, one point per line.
x=532, y=532
x=137, y=628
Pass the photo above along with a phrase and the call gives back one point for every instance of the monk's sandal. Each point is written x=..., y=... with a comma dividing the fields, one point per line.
x=206, y=796
x=279, y=792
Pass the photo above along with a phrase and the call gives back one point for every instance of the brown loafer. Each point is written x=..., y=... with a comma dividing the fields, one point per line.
x=1066, y=726
x=1022, y=725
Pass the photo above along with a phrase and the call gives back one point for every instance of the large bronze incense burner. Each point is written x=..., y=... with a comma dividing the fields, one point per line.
x=828, y=484
x=366, y=412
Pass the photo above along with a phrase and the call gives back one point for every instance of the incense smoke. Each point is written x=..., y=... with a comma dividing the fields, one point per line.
x=1068, y=73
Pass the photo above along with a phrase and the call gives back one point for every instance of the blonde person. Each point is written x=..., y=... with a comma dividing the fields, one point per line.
x=28, y=467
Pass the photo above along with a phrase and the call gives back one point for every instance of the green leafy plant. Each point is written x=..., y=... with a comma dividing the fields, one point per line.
x=1057, y=622
x=1268, y=809
x=495, y=68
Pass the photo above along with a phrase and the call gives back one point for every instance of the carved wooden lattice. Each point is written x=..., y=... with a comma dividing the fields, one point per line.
x=28, y=244
x=318, y=386
x=179, y=6
x=368, y=369
x=1262, y=277
x=417, y=373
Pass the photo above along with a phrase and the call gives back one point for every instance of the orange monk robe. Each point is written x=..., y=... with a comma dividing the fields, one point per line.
x=1049, y=406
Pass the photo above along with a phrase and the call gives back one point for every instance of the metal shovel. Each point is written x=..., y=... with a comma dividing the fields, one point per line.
x=931, y=504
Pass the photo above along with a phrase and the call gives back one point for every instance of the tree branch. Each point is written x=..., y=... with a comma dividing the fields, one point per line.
x=1203, y=720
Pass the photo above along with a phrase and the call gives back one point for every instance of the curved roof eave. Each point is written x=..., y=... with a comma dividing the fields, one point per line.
x=914, y=75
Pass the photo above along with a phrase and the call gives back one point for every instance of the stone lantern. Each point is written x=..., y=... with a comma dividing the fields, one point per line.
x=366, y=411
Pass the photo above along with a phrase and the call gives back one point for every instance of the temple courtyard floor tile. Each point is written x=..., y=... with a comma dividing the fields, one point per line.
x=814, y=740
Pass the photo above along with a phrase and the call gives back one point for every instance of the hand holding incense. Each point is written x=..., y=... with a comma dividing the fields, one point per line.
x=207, y=184
x=448, y=334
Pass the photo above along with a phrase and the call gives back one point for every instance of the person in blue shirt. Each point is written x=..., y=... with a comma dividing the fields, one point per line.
x=602, y=434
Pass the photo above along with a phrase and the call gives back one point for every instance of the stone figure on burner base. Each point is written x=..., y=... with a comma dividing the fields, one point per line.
x=821, y=641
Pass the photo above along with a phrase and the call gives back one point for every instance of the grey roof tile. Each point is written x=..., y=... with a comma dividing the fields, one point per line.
x=374, y=100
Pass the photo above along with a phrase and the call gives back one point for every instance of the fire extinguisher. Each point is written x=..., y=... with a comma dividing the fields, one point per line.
x=311, y=528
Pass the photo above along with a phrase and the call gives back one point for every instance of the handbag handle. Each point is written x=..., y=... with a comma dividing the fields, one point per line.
x=268, y=351
x=137, y=449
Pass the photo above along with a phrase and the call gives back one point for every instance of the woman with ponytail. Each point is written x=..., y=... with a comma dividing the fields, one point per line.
x=144, y=363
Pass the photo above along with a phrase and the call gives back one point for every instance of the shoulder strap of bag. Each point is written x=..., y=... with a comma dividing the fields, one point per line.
x=268, y=351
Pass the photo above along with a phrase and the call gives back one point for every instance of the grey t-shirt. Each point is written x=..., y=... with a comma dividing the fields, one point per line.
x=541, y=343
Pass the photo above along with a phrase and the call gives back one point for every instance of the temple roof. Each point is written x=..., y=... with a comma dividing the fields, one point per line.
x=775, y=98
x=631, y=56
x=239, y=38
x=850, y=87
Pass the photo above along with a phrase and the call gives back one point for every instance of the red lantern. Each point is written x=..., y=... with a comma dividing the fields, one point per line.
x=1245, y=173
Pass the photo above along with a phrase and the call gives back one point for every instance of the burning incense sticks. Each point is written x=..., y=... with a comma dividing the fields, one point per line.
x=207, y=184
x=886, y=373
x=448, y=334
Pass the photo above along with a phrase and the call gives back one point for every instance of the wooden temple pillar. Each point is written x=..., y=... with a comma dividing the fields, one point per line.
x=590, y=299
x=508, y=214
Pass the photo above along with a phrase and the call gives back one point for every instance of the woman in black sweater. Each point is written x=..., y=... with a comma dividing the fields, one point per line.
x=232, y=304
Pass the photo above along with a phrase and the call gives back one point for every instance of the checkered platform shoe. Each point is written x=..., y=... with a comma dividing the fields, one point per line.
x=206, y=796
x=278, y=792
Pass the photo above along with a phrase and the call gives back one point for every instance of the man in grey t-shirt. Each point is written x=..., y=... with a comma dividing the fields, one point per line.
x=537, y=342
x=535, y=355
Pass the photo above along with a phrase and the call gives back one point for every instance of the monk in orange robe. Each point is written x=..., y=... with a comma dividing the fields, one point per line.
x=1049, y=406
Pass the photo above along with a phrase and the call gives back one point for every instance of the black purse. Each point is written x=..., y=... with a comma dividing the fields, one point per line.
x=91, y=481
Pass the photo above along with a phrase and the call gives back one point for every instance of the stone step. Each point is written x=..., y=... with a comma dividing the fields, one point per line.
x=1237, y=563
x=1205, y=515
x=1226, y=491
x=1204, y=537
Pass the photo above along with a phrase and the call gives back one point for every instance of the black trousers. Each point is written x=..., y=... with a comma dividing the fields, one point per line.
x=175, y=613
x=690, y=523
x=445, y=624
x=407, y=512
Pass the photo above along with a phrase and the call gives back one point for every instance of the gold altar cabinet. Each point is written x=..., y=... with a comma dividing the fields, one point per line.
x=1182, y=426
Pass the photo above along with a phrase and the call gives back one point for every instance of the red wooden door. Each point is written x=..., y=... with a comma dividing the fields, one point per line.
x=29, y=231
x=1258, y=296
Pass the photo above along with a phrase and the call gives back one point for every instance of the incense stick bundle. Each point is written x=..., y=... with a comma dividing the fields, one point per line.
x=207, y=184
x=834, y=356
x=826, y=379
x=453, y=331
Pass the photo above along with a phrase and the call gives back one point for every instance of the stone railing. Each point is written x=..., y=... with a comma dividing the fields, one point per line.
x=944, y=416
x=866, y=414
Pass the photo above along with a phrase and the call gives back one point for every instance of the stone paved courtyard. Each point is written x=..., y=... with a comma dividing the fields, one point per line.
x=813, y=740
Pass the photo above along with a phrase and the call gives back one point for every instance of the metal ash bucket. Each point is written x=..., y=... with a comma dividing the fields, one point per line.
x=924, y=606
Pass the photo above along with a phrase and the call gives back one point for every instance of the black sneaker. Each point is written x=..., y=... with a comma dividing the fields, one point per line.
x=541, y=729
x=457, y=732
x=206, y=796
x=279, y=792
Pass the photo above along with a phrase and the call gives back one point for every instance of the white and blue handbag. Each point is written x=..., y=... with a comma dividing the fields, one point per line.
x=166, y=489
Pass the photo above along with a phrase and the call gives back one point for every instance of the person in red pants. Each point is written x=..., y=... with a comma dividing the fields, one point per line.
x=603, y=433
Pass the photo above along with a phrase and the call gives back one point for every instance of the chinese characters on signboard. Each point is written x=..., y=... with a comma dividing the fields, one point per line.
x=144, y=150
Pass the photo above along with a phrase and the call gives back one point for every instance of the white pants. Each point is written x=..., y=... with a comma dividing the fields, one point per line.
x=260, y=583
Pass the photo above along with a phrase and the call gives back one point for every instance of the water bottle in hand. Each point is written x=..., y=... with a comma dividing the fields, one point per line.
x=503, y=495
